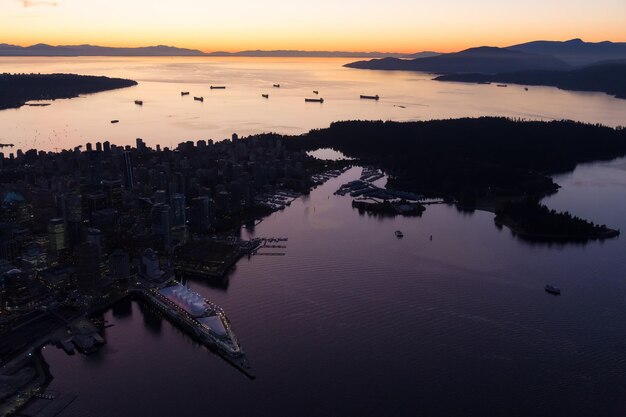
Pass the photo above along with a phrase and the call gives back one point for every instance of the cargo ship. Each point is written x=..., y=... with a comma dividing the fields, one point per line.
x=314, y=100
x=199, y=98
x=277, y=85
x=315, y=92
x=265, y=95
x=115, y=121
x=370, y=97
x=139, y=102
x=218, y=87
x=184, y=93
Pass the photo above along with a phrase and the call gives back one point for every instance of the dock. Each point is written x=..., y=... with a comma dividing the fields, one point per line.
x=193, y=328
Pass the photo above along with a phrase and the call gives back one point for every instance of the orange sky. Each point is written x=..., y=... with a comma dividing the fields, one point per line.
x=365, y=25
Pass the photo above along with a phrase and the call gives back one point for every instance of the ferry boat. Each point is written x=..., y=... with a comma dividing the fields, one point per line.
x=184, y=93
x=399, y=234
x=553, y=290
x=315, y=92
x=115, y=121
x=139, y=102
x=265, y=95
x=199, y=98
x=314, y=100
x=218, y=87
x=370, y=97
x=277, y=85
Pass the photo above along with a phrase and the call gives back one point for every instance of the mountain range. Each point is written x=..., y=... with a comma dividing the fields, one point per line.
x=42, y=49
x=537, y=55
x=576, y=51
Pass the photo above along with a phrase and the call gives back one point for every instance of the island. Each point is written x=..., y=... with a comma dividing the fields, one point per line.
x=18, y=89
x=485, y=163
x=609, y=77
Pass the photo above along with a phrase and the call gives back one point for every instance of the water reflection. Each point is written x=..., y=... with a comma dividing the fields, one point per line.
x=166, y=118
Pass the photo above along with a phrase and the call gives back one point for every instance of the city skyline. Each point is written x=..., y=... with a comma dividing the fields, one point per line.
x=400, y=26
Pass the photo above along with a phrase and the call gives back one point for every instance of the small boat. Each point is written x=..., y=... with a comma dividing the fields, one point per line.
x=525, y=88
x=399, y=234
x=184, y=93
x=314, y=100
x=502, y=85
x=553, y=290
x=218, y=87
x=315, y=92
x=370, y=97
x=277, y=85
x=115, y=121
x=199, y=98
x=265, y=95
x=139, y=102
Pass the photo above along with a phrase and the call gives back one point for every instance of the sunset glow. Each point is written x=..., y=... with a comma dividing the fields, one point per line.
x=394, y=25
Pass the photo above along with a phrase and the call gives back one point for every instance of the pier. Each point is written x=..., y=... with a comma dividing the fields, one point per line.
x=224, y=345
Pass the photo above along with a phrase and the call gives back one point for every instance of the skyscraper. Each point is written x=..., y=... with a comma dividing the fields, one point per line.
x=129, y=179
x=162, y=224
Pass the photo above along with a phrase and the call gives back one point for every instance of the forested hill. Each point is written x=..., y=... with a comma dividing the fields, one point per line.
x=468, y=158
x=17, y=89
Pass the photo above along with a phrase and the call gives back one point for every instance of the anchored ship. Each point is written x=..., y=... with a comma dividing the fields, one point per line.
x=139, y=102
x=184, y=93
x=218, y=87
x=199, y=98
x=314, y=100
x=370, y=97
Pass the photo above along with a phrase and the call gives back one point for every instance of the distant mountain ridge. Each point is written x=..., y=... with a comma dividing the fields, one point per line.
x=482, y=59
x=576, y=51
x=42, y=49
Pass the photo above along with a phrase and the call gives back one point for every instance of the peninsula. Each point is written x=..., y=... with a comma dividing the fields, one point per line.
x=607, y=77
x=484, y=163
x=17, y=89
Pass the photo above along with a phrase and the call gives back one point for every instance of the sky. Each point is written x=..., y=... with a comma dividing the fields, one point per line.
x=348, y=25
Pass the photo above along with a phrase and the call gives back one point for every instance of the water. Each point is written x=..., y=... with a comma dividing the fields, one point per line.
x=167, y=118
x=355, y=322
